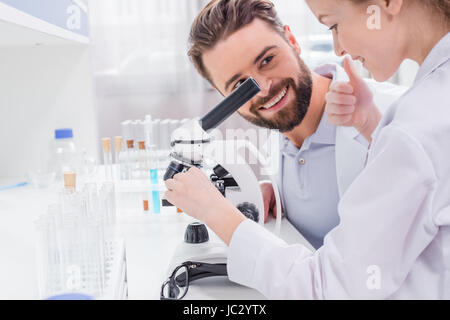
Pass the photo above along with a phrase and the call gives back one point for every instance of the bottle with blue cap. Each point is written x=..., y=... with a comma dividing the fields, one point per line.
x=64, y=153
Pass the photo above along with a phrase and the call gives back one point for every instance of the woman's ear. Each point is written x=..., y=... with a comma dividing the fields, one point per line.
x=291, y=39
x=391, y=7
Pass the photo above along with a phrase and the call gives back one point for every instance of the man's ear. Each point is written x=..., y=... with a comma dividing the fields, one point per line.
x=391, y=7
x=291, y=39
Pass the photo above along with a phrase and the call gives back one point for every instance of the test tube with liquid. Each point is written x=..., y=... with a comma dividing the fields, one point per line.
x=154, y=181
x=156, y=202
x=107, y=158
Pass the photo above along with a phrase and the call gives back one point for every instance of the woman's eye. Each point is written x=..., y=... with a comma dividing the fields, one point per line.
x=266, y=61
x=334, y=27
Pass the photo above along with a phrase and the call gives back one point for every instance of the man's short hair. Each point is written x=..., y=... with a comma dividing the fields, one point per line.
x=221, y=18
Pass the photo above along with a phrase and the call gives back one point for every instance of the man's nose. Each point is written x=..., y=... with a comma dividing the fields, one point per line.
x=340, y=52
x=265, y=85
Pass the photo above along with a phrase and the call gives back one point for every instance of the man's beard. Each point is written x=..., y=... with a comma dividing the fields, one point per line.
x=291, y=115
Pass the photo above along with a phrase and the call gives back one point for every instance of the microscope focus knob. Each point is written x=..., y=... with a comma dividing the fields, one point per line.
x=196, y=233
x=249, y=210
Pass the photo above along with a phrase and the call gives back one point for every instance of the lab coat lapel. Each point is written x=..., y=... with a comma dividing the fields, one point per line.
x=350, y=157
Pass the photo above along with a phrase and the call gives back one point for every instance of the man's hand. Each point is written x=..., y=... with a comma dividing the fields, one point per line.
x=269, y=200
x=351, y=103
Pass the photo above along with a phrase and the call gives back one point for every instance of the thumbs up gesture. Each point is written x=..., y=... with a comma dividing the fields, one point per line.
x=351, y=103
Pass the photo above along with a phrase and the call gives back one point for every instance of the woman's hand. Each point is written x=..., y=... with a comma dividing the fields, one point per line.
x=195, y=195
x=351, y=103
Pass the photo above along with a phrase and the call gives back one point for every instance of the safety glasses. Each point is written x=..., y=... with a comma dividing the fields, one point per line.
x=177, y=285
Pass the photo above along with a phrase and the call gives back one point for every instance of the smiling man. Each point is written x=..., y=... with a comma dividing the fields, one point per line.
x=232, y=40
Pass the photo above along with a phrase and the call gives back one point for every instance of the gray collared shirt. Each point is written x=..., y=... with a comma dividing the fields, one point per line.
x=310, y=189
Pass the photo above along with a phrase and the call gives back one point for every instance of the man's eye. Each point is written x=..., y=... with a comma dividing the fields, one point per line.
x=238, y=84
x=266, y=60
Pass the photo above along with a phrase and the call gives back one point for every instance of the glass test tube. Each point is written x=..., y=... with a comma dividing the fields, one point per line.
x=154, y=182
x=107, y=158
x=118, y=142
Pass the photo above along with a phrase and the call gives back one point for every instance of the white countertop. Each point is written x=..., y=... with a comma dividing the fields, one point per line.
x=150, y=244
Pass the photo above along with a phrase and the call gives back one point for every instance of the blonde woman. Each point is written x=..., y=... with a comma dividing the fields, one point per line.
x=393, y=240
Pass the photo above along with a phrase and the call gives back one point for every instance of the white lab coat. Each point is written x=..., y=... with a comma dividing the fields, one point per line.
x=393, y=240
x=351, y=146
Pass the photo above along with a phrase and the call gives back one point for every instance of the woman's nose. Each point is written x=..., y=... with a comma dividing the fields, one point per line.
x=337, y=47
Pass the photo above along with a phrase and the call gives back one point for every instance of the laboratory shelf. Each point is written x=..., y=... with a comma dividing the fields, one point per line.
x=18, y=28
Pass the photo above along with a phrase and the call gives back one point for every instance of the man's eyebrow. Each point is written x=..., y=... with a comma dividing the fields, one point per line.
x=263, y=53
x=237, y=76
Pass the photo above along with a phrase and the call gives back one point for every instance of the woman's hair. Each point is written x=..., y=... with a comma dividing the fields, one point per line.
x=221, y=18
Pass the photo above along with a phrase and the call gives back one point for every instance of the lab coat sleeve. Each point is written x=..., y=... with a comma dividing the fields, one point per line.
x=386, y=223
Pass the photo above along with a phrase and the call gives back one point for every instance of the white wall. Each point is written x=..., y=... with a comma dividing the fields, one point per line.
x=43, y=88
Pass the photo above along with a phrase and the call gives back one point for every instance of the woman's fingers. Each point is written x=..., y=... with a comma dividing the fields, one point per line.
x=340, y=120
x=340, y=104
x=339, y=109
x=173, y=184
x=342, y=87
x=340, y=98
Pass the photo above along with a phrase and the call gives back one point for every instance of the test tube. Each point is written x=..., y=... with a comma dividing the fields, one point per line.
x=129, y=157
x=107, y=158
x=127, y=133
x=156, y=202
x=136, y=131
x=154, y=182
x=164, y=135
x=148, y=132
x=145, y=202
x=107, y=194
x=48, y=253
x=118, y=142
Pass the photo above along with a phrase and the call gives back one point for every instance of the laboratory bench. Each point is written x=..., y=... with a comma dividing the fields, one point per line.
x=150, y=243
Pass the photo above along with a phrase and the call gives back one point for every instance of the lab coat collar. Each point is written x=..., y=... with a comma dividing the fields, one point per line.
x=438, y=56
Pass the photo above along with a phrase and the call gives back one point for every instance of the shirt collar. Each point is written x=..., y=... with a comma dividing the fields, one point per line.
x=332, y=71
x=438, y=56
x=324, y=135
x=326, y=132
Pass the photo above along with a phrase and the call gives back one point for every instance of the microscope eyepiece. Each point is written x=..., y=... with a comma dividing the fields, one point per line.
x=230, y=104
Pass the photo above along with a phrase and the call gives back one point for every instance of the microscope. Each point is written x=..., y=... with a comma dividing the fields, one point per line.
x=192, y=145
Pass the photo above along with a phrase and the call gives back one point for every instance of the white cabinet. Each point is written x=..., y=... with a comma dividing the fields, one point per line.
x=25, y=22
x=45, y=80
